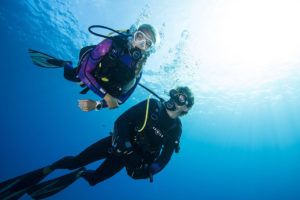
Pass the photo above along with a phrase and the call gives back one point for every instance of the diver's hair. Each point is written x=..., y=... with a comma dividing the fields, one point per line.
x=149, y=28
x=188, y=92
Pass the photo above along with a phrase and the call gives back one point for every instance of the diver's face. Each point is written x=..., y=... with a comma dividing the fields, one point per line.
x=142, y=40
x=181, y=110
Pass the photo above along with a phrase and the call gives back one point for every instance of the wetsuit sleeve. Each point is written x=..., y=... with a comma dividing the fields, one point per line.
x=166, y=152
x=89, y=64
x=123, y=98
x=124, y=126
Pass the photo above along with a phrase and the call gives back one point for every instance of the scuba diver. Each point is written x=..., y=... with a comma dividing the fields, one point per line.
x=112, y=69
x=143, y=140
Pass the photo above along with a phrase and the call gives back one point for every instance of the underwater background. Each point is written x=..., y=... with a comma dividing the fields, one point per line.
x=241, y=140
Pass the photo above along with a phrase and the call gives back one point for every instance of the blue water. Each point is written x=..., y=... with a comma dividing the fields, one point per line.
x=237, y=143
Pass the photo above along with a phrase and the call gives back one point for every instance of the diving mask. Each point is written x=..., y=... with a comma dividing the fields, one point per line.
x=179, y=98
x=142, y=40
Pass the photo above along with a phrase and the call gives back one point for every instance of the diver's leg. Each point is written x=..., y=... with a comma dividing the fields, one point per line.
x=96, y=151
x=70, y=73
x=109, y=167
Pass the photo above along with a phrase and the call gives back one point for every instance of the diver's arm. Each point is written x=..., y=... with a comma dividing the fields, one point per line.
x=123, y=98
x=90, y=80
x=87, y=105
x=165, y=155
x=86, y=70
x=146, y=171
x=162, y=160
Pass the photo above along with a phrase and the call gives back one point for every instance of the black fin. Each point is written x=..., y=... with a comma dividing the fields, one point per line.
x=51, y=187
x=14, y=188
x=44, y=60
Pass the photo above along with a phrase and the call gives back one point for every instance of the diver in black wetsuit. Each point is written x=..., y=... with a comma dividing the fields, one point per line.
x=143, y=141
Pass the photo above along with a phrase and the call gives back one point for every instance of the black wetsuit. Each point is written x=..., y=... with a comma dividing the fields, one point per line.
x=141, y=153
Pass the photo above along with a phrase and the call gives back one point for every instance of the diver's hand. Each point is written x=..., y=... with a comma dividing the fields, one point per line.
x=111, y=101
x=87, y=105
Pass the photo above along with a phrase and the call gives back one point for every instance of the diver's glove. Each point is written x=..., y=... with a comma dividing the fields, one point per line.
x=154, y=168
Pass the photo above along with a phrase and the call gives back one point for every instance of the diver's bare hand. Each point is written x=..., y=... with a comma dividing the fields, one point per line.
x=111, y=101
x=87, y=105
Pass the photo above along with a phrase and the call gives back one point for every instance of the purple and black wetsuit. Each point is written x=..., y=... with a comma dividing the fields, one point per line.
x=88, y=65
x=109, y=68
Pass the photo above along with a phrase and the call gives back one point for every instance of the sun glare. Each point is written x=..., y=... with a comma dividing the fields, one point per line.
x=249, y=42
x=260, y=32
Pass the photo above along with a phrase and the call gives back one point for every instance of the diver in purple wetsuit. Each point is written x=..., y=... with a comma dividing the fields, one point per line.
x=112, y=69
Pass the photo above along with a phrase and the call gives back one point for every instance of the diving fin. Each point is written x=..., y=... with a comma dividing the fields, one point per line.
x=44, y=60
x=16, y=187
x=51, y=187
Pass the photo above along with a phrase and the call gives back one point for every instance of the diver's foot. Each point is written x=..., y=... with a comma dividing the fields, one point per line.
x=59, y=63
x=53, y=186
x=80, y=172
x=89, y=176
